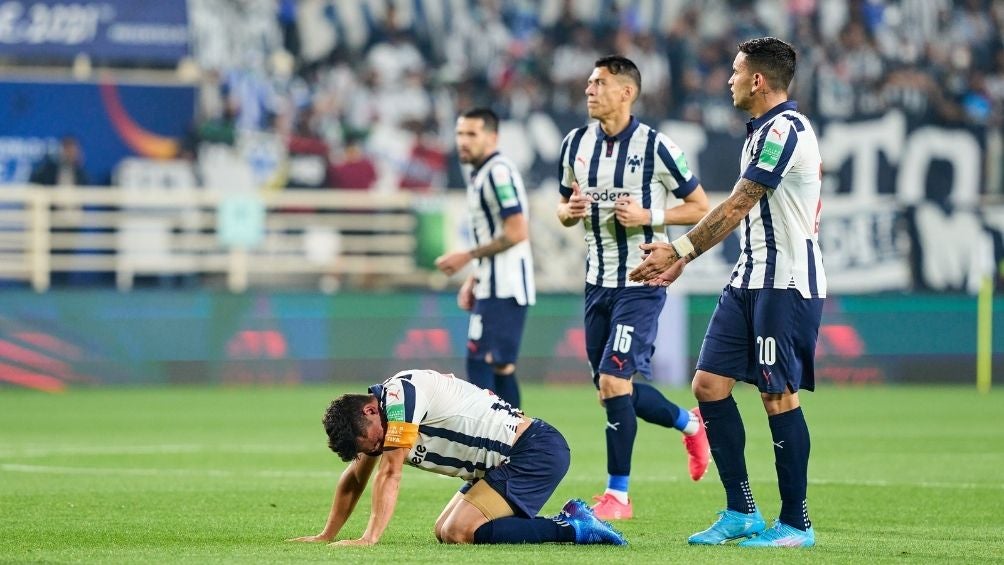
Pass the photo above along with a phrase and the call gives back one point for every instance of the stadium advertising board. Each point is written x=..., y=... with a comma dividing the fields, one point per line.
x=55, y=340
x=111, y=122
x=127, y=31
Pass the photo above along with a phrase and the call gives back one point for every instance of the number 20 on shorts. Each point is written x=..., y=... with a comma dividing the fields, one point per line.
x=766, y=350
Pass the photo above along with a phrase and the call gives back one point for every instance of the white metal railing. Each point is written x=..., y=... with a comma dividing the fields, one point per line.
x=132, y=232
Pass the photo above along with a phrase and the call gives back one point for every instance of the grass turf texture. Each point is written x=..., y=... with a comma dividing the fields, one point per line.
x=226, y=475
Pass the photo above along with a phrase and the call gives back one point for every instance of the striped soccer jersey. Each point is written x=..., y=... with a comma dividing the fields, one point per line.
x=779, y=237
x=638, y=162
x=495, y=192
x=450, y=426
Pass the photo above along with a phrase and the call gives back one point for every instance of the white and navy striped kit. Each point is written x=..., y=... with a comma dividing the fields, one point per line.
x=450, y=426
x=638, y=162
x=779, y=237
x=495, y=192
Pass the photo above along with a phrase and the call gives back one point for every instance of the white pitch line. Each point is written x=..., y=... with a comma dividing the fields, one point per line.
x=139, y=472
x=14, y=452
x=278, y=474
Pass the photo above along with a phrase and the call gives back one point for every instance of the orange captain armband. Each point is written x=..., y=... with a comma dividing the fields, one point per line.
x=400, y=434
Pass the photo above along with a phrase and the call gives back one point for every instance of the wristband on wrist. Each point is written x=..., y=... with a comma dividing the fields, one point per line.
x=683, y=246
x=658, y=216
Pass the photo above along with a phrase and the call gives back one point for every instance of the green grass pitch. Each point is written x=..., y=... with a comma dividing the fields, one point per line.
x=217, y=475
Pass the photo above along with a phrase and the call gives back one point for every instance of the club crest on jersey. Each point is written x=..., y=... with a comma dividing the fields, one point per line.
x=634, y=162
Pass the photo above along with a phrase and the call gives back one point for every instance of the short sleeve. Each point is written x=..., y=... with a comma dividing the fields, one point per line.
x=566, y=174
x=504, y=186
x=403, y=406
x=772, y=154
x=672, y=169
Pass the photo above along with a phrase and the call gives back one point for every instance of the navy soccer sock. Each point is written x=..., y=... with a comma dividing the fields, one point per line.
x=507, y=387
x=622, y=427
x=791, y=458
x=727, y=437
x=480, y=374
x=650, y=405
x=524, y=530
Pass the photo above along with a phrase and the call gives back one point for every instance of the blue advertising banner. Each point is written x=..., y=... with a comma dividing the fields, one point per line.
x=149, y=31
x=111, y=121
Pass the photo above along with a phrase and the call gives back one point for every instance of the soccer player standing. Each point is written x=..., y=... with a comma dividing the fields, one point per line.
x=764, y=328
x=617, y=176
x=501, y=288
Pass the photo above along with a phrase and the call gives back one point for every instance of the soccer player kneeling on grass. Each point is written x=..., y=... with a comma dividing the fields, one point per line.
x=439, y=423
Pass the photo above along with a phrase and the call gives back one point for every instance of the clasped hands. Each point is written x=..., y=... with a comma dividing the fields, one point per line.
x=661, y=267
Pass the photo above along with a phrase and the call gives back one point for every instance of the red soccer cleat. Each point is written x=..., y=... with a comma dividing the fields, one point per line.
x=698, y=449
x=607, y=507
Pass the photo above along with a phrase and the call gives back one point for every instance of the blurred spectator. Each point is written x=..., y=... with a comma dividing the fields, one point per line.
x=354, y=170
x=65, y=168
x=425, y=170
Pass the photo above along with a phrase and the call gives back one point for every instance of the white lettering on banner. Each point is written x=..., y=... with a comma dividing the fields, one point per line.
x=18, y=155
x=954, y=248
x=862, y=143
x=959, y=147
x=69, y=24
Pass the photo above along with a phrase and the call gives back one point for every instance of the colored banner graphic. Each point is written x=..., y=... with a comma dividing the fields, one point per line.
x=111, y=121
x=61, y=340
x=110, y=31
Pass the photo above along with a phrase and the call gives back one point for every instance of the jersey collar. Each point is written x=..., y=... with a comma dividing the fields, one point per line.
x=474, y=170
x=623, y=135
x=377, y=391
x=754, y=124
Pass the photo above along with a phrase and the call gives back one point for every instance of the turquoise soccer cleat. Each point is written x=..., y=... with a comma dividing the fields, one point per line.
x=730, y=525
x=782, y=535
x=588, y=528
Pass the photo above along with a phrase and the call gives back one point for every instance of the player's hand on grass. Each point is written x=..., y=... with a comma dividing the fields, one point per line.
x=630, y=214
x=311, y=539
x=661, y=266
x=353, y=542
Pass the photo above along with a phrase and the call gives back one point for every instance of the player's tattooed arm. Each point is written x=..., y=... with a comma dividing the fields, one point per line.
x=493, y=247
x=514, y=230
x=662, y=264
x=724, y=218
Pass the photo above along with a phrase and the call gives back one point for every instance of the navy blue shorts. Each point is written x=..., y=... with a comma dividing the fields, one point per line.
x=621, y=325
x=537, y=463
x=765, y=337
x=496, y=327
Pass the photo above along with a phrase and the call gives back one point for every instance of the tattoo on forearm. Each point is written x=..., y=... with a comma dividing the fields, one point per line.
x=493, y=247
x=725, y=217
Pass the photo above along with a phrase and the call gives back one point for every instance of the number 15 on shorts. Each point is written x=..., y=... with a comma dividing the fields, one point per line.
x=622, y=338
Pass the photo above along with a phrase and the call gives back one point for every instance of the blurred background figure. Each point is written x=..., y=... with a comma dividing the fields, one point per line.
x=64, y=168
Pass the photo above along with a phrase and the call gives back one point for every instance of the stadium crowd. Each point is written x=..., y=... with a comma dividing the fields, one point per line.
x=372, y=88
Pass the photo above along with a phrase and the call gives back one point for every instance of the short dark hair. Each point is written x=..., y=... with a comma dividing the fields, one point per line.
x=345, y=423
x=773, y=58
x=618, y=65
x=490, y=118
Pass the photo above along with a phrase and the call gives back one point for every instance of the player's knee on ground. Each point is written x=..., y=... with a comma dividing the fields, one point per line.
x=456, y=531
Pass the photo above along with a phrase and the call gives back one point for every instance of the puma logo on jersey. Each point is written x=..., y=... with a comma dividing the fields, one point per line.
x=396, y=395
x=777, y=131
